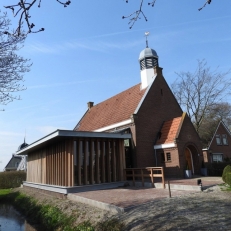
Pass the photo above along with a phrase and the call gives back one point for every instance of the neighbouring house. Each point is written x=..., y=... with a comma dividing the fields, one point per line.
x=140, y=127
x=219, y=147
x=17, y=162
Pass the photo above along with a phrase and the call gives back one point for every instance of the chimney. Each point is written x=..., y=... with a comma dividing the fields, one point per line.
x=90, y=105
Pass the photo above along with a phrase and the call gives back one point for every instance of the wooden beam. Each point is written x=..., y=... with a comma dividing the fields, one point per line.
x=108, y=161
x=79, y=161
x=121, y=151
x=113, y=161
x=97, y=154
x=72, y=161
x=91, y=161
x=102, y=148
x=85, y=175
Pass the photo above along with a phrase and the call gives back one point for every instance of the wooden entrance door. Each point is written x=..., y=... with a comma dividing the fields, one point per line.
x=188, y=158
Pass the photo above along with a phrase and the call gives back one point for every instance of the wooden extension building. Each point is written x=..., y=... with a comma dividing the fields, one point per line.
x=65, y=159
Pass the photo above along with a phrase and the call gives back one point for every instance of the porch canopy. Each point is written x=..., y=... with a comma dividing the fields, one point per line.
x=70, y=158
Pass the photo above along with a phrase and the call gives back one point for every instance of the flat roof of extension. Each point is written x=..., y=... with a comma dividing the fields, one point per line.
x=59, y=134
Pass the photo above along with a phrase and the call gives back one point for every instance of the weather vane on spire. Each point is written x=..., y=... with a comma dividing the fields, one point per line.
x=146, y=35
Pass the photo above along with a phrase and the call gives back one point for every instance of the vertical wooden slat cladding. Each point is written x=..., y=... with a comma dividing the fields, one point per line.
x=51, y=165
x=97, y=152
x=102, y=153
x=79, y=161
x=85, y=161
x=36, y=171
x=108, y=161
x=91, y=160
x=96, y=161
x=113, y=161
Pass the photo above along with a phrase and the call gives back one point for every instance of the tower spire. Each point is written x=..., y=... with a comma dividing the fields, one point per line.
x=146, y=35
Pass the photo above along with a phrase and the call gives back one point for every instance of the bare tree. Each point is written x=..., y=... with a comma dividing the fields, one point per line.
x=12, y=66
x=22, y=9
x=200, y=91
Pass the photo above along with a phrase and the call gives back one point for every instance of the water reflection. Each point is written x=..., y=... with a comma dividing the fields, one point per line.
x=11, y=220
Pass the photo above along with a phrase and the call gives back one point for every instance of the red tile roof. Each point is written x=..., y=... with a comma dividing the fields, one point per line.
x=170, y=130
x=113, y=110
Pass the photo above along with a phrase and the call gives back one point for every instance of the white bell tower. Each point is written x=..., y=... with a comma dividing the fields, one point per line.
x=148, y=59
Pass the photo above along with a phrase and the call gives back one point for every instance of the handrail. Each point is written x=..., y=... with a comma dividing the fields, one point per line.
x=141, y=174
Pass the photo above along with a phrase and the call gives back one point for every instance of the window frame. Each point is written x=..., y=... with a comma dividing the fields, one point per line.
x=218, y=136
x=166, y=157
x=217, y=154
x=224, y=136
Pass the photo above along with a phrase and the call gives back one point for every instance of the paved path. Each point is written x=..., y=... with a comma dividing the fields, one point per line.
x=134, y=196
x=129, y=196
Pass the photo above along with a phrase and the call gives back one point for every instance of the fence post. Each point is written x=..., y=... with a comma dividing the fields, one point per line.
x=163, y=181
x=169, y=190
x=133, y=177
x=152, y=178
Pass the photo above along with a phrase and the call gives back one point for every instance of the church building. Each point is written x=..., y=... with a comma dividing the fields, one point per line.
x=162, y=134
x=141, y=127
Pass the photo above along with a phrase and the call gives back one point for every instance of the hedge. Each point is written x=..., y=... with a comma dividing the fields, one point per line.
x=12, y=179
x=216, y=169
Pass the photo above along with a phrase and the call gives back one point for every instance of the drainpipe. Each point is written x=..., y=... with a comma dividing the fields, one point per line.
x=155, y=157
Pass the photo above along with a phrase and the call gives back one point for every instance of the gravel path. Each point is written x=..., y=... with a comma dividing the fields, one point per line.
x=208, y=210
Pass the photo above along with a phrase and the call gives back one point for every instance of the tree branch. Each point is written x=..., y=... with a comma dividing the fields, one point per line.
x=22, y=10
x=207, y=2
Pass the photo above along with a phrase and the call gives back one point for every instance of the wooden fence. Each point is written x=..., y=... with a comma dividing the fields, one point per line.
x=141, y=173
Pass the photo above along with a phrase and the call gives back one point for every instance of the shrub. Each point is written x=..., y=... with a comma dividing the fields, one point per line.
x=228, y=178
x=226, y=175
x=11, y=179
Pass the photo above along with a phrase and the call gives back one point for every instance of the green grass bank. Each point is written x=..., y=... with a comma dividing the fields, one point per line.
x=51, y=217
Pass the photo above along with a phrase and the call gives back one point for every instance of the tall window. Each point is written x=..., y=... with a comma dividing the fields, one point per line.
x=168, y=156
x=218, y=140
x=224, y=139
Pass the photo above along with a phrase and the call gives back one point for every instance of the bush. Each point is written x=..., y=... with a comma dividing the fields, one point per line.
x=11, y=179
x=228, y=178
x=226, y=175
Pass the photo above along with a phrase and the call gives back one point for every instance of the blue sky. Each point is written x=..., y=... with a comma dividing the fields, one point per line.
x=88, y=53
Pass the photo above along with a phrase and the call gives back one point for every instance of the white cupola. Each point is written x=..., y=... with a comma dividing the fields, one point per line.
x=148, y=59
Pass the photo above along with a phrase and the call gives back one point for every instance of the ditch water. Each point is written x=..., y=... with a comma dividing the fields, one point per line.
x=11, y=220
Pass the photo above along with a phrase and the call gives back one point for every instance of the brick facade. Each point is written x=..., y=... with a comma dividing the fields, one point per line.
x=156, y=106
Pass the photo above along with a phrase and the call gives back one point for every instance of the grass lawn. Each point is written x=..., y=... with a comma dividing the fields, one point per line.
x=225, y=187
x=4, y=192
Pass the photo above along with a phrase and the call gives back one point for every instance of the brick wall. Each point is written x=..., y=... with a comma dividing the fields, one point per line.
x=159, y=105
x=171, y=167
x=188, y=137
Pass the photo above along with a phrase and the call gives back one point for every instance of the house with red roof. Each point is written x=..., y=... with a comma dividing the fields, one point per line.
x=219, y=148
x=162, y=135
